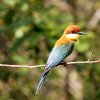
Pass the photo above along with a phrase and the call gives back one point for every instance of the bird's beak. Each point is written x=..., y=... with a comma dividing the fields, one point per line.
x=82, y=33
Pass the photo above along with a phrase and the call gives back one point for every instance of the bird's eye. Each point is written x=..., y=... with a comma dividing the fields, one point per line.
x=73, y=31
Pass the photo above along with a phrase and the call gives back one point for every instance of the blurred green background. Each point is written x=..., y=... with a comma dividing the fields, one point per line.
x=28, y=31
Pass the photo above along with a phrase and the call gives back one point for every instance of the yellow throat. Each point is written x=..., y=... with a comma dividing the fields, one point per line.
x=67, y=38
x=72, y=37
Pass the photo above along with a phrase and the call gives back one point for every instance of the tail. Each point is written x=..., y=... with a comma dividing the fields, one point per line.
x=41, y=81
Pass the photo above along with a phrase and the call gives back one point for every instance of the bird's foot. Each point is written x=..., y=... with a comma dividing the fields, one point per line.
x=63, y=63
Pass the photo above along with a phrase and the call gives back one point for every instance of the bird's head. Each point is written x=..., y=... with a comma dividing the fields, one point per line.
x=73, y=32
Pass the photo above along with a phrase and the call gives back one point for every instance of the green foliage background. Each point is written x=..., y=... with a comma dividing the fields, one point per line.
x=28, y=31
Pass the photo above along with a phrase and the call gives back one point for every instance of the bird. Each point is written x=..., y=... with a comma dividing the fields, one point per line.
x=62, y=49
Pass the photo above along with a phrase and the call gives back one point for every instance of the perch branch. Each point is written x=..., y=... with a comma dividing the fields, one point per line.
x=36, y=66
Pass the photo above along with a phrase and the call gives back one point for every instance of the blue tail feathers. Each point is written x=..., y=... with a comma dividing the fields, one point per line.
x=41, y=82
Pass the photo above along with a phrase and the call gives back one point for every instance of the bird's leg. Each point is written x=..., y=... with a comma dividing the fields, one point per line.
x=63, y=63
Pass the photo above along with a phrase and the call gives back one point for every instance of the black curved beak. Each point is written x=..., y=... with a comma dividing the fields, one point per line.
x=82, y=33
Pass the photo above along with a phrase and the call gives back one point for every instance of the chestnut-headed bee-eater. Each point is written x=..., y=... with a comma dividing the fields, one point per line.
x=62, y=48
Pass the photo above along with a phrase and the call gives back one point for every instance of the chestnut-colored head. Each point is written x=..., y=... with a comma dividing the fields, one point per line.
x=72, y=29
x=72, y=32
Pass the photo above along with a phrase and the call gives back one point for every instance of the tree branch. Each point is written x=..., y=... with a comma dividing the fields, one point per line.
x=36, y=66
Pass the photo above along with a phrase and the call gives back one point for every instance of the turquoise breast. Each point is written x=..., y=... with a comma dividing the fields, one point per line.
x=58, y=54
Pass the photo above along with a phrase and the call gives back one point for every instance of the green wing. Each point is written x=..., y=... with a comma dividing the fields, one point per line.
x=58, y=54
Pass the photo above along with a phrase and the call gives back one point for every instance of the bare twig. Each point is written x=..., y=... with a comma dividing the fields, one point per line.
x=83, y=62
x=21, y=66
x=36, y=66
x=90, y=56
